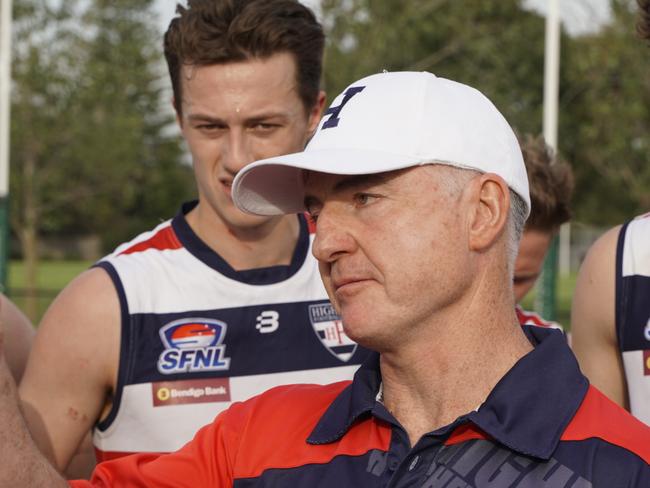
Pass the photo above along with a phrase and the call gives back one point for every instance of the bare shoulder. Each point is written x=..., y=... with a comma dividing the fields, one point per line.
x=73, y=364
x=83, y=319
x=593, y=318
x=19, y=333
x=596, y=286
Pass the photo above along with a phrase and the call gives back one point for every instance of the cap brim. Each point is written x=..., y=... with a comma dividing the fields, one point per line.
x=275, y=186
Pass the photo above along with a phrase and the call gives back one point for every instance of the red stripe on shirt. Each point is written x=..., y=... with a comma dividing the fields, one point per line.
x=464, y=433
x=600, y=417
x=161, y=240
x=268, y=414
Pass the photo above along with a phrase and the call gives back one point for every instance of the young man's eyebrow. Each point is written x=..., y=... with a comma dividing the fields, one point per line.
x=199, y=117
x=204, y=118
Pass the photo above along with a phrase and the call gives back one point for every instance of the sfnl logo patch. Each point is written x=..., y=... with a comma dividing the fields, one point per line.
x=193, y=345
x=329, y=329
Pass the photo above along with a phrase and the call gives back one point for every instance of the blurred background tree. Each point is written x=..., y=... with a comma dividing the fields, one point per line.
x=605, y=119
x=92, y=151
x=498, y=47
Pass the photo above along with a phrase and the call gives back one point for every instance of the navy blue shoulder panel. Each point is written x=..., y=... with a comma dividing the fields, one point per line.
x=604, y=464
x=632, y=303
x=125, y=342
x=257, y=276
x=620, y=291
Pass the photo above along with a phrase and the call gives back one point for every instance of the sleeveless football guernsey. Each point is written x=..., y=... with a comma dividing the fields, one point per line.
x=633, y=311
x=197, y=335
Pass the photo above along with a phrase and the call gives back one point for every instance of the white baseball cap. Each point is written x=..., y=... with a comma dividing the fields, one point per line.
x=386, y=122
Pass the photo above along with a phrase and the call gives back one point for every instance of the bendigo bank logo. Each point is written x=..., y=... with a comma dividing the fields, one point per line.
x=193, y=345
x=329, y=329
x=209, y=390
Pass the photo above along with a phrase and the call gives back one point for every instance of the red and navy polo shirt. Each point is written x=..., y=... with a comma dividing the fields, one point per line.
x=542, y=425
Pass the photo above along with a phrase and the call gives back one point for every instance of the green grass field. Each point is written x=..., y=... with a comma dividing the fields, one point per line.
x=51, y=278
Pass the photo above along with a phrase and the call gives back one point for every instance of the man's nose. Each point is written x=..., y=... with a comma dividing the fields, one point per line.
x=333, y=235
x=237, y=153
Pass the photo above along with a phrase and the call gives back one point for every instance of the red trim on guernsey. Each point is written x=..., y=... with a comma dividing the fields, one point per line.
x=599, y=417
x=311, y=225
x=102, y=456
x=531, y=318
x=464, y=433
x=301, y=408
x=161, y=240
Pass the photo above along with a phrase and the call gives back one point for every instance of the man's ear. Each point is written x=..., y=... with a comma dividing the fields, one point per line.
x=316, y=112
x=179, y=119
x=491, y=210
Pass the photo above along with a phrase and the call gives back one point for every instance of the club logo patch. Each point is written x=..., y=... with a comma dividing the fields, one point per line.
x=192, y=345
x=329, y=330
x=646, y=362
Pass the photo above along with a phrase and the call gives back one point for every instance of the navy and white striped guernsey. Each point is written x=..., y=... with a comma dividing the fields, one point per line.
x=633, y=311
x=198, y=335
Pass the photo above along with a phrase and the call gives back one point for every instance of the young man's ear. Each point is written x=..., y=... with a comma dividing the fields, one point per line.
x=316, y=112
x=179, y=119
x=491, y=211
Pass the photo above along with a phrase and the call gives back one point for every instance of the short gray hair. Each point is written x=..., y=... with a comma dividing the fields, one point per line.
x=516, y=223
x=458, y=178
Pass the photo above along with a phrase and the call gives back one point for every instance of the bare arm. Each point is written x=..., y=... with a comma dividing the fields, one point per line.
x=72, y=367
x=593, y=319
x=19, y=333
x=22, y=464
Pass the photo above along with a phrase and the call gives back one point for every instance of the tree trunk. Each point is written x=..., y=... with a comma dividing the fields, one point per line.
x=29, y=238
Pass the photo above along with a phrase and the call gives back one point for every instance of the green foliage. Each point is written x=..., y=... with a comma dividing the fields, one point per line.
x=494, y=45
x=89, y=112
x=498, y=47
x=607, y=132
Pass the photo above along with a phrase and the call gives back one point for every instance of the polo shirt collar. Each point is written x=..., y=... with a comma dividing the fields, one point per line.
x=356, y=400
x=527, y=411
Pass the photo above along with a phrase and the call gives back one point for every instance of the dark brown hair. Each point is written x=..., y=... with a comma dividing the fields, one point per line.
x=644, y=22
x=551, y=184
x=210, y=32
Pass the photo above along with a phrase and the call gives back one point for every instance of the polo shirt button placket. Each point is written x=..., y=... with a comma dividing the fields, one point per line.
x=414, y=462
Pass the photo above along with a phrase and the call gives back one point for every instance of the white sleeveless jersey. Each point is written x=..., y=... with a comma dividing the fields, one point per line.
x=198, y=335
x=633, y=311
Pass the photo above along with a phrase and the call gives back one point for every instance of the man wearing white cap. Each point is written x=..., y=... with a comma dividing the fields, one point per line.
x=419, y=192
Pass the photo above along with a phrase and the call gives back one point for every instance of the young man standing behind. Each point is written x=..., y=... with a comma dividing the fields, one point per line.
x=215, y=305
x=551, y=184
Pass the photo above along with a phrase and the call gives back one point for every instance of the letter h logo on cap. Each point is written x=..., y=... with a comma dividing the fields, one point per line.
x=333, y=121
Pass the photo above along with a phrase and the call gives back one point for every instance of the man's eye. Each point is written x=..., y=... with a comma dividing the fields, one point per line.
x=364, y=198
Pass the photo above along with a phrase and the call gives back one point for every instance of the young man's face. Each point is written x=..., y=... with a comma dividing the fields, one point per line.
x=530, y=259
x=236, y=113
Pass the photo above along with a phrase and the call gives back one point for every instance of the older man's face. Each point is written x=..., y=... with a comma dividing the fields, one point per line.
x=391, y=249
